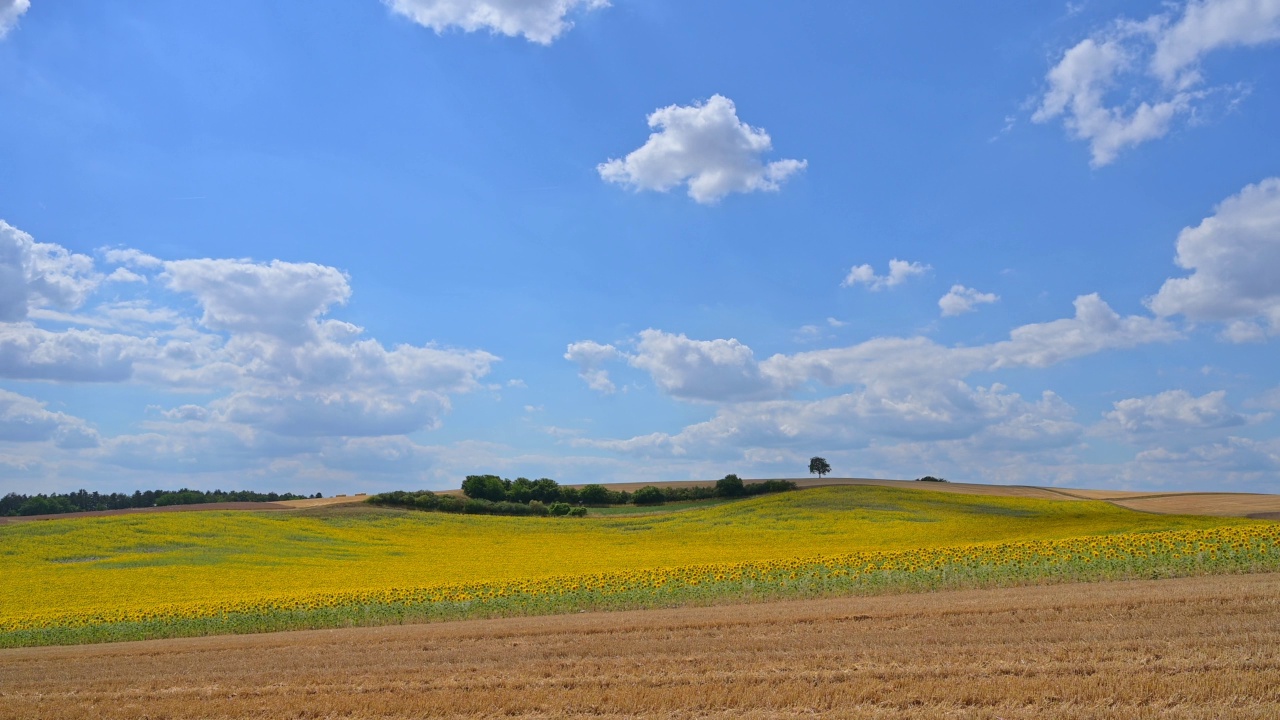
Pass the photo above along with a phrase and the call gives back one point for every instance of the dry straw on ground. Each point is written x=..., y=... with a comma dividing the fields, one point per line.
x=1205, y=647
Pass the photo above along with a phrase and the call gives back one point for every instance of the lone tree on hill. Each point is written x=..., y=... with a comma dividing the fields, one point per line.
x=819, y=466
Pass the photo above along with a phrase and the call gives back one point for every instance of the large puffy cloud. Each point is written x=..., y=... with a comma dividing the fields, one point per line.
x=10, y=11
x=278, y=298
x=719, y=370
x=706, y=147
x=541, y=21
x=275, y=375
x=1173, y=410
x=1127, y=54
x=36, y=274
x=32, y=353
x=1233, y=256
x=1095, y=328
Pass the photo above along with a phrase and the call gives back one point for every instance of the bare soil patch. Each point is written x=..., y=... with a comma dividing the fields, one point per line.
x=1206, y=647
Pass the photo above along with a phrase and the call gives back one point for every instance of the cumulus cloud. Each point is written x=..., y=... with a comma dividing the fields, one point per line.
x=36, y=274
x=257, y=337
x=281, y=299
x=706, y=147
x=589, y=356
x=716, y=370
x=10, y=11
x=1154, y=64
x=31, y=353
x=899, y=272
x=1237, y=455
x=540, y=21
x=1095, y=328
x=1232, y=256
x=960, y=299
x=1173, y=410
x=894, y=388
x=23, y=419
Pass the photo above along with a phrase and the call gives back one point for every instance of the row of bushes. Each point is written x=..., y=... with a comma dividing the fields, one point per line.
x=427, y=500
x=543, y=490
x=483, y=498
x=83, y=500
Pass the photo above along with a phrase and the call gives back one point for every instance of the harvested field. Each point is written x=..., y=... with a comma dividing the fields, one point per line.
x=1206, y=647
x=1220, y=504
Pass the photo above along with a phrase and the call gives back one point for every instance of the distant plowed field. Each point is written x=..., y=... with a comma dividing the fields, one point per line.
x=1197, y=648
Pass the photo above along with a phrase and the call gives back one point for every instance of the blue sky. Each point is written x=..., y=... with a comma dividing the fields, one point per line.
x=372, y=245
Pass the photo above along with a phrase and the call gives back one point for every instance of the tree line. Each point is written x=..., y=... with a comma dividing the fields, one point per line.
x=83, y=500
x=494, y=495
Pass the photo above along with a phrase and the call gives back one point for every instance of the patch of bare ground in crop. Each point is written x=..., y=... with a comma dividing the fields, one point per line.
x=1205, y=647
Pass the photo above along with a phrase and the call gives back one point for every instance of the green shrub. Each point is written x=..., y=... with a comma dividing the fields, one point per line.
x=648, y=495
x=595, y=494
x=730, y=486
x=578, y=512
x=485, y=487
x=559, y=509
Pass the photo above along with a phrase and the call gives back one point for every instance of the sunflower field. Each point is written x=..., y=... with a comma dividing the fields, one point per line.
x=165, y=575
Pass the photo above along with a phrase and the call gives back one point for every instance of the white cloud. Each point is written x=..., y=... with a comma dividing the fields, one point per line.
x=715, y=370
x=986, y=417
x=1233, y=256
x=280, y=299
x=590, y=356
x=893, y=389
x=131, y=258
x=36, y=275
x=1124, y=58
x=259, y=340
x=540, y=21
x=706, y=147
x=23, y=419
x=125, y=275
x=10, y=11
x=32, y=353
x=1206, y=26
x=1235, y=455
x=1173, y=410
x=1095, y=328
x=960, y=299
x=899, y=272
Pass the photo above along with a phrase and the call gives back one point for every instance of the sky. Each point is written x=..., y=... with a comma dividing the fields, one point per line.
x=361, y=245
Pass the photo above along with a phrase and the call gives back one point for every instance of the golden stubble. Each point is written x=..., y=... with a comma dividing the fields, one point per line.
x=1206, y=647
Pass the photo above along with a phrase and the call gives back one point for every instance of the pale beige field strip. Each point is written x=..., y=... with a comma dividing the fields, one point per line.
x=1191, y=648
